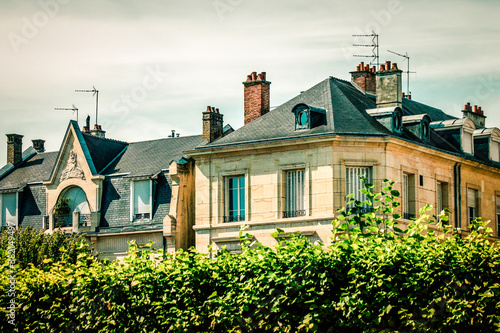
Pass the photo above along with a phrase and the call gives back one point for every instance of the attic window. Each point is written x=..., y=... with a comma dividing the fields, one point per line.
x=307, y=117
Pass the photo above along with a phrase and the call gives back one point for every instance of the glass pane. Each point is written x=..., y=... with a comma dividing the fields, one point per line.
x=142, y=199
x=9, y=208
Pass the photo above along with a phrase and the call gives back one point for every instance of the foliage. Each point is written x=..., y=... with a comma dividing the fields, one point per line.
x=62, y=206
x=40, y=249
x=374, y=277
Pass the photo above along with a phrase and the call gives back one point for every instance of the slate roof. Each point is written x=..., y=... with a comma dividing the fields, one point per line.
x=345, y=107
x=150, y=157
x=102, y=150
x=36, y=168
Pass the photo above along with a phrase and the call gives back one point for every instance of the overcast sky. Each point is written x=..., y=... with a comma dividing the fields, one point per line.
x=158, y=63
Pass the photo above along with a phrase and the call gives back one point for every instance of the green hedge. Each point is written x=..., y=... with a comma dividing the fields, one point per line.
x=373, y=278
x=39, y=248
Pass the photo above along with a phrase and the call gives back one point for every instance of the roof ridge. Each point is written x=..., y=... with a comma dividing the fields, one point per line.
x=108, y=139
x=180, y=137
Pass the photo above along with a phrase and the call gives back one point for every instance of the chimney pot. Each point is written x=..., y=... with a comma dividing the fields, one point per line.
x=263, y=76
x=254, y=76
x=249, y=77
x=387, y=65
x=382, y=68
x=394, y=66
x=209, y=108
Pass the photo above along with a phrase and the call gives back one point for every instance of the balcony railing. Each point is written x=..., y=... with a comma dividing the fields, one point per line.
x=85, y=220
x=293, y=213
x=63, y=221
x=234, y=218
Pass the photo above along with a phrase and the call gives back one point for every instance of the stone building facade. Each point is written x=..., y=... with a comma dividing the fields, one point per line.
x=292, y=167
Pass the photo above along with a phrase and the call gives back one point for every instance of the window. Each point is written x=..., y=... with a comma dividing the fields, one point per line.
x=8, y=206
x=498, y=214
x=408, y=196
x=235, y=199
x=494, y=151
x=354, y=185
x=441, y=197
x=467, y=144
x=141, y=194
x=294, y=194
x=472, y=205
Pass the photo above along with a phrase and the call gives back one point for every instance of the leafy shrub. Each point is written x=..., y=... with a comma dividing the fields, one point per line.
x=39, y=248
x=373, y=278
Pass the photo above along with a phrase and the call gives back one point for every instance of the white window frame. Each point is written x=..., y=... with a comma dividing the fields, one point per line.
x=297, y=193
x=409, y=197
x=472, y=203
x=442, y=195
x=240, y=200
x=352, y=174
x=469, y=132
x=223, y=198
x=2, y=224
x=281, y=187
x=132, y=200
x=495, y=150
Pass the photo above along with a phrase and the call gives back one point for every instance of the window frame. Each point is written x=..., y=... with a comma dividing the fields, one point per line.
x=357, y=195
x=476, y=203
x=297, y=192
x=227, y=189
x=2, y=200
x=281, y=190
x=442, y=197
x=409, y=196
x=221, y=194
x=133, y=214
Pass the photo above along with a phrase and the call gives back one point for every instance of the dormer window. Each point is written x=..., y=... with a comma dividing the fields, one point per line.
x=307, y=117
x=458, y=132
x=390, y=117
x=418, y=125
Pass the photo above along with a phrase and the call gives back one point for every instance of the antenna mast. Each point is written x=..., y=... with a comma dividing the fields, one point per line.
x=374, y=45
x=74, y=108
x=407, y=69
x=96, y=94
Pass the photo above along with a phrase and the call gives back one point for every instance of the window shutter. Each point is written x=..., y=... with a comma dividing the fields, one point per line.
x=471, y=198
x=354, y=184
x=439, y=203
x=294, y=190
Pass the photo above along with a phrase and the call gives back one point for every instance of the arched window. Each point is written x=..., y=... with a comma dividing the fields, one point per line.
x=77, y=200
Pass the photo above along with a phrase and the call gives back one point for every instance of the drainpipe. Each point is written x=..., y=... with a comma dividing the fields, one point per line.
x=457, y=179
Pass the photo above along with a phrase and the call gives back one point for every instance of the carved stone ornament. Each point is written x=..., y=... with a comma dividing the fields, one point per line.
x=72, y=170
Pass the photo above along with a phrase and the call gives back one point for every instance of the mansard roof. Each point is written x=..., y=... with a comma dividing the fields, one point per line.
x=345, y=107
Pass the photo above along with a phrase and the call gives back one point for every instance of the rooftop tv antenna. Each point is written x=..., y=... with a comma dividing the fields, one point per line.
x=74, y=108
x=96, y=94
x=374, y=45
x=407, y=69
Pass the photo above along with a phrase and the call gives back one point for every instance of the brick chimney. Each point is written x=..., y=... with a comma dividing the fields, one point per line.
x=212, y=124
x=364, y=78
x=14, y=148
x=256, y=96
x=388, y=86
x=39, y=145
x=477, y=116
